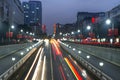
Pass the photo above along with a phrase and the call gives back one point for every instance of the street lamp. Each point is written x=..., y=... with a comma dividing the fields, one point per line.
x=78, y=31
x=79, y=52
x=73, y=49
x=21, y=30
x=30, y=33
x=13, y=58
x=22, y=53
x=26, y=32
x=108, y=21
x=12, y=26
x=60, y=33
x=88, y=57
x=72, y=32
x=101, y=64
x=88, y=27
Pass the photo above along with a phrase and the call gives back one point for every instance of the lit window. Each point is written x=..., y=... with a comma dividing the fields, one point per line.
x=26, y=16
x=37, y=7
x=33, y=12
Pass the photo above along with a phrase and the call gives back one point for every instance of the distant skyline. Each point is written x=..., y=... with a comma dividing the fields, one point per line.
x=65, y=11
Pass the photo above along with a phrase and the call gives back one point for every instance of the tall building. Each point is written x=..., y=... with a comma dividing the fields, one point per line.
x=33, y=15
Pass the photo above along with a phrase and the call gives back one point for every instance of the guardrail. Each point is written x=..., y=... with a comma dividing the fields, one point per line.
x=90, y=67
x=10, y=71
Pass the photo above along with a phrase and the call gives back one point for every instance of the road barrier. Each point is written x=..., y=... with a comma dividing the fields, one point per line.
x=90, y=67
x=15, y=67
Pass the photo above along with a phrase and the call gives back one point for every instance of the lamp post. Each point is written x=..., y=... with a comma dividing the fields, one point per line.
x=72, y=32
x=12, y=27
x=60, y=33
x=78, y=30
x=109, y=22
x=88, y=27
x=21, y=30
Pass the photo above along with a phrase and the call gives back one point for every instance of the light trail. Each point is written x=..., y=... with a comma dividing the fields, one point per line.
x=56, y=42
x=54, y=52
x=28, y=74
x=56, y=45
x=61, y=70
x=57, y=52
x=51, y=63
x=38, y=67
x=80, y=68
x=78, y=77
x=43, y=69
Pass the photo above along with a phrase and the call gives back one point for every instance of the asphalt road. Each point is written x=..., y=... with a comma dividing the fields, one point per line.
x=47, y=53
x=56, y=67
x=63, y=66
x=110, y=69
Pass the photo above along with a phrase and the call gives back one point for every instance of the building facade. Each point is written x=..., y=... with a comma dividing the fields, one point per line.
x=114, y=15
x=85, y=19
x=65, y=29
x=11, y=13
x=33, y=15
x=113, y=29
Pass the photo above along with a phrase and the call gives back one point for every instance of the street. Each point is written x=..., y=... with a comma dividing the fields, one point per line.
x=56, y=60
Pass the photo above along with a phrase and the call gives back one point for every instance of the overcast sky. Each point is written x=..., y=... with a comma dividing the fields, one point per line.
x=65, y=11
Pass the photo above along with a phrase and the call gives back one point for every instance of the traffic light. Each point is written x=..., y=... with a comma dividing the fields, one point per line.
x=93, y=20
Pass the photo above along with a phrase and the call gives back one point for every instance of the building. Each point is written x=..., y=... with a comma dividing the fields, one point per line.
x=112, y=29
x=26, y=12
x=33, y=15
x=88, y=18
x=65, y=29
x=11, y=14
x=114, y=15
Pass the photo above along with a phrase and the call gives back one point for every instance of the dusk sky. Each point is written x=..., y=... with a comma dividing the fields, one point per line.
x=65, y=11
